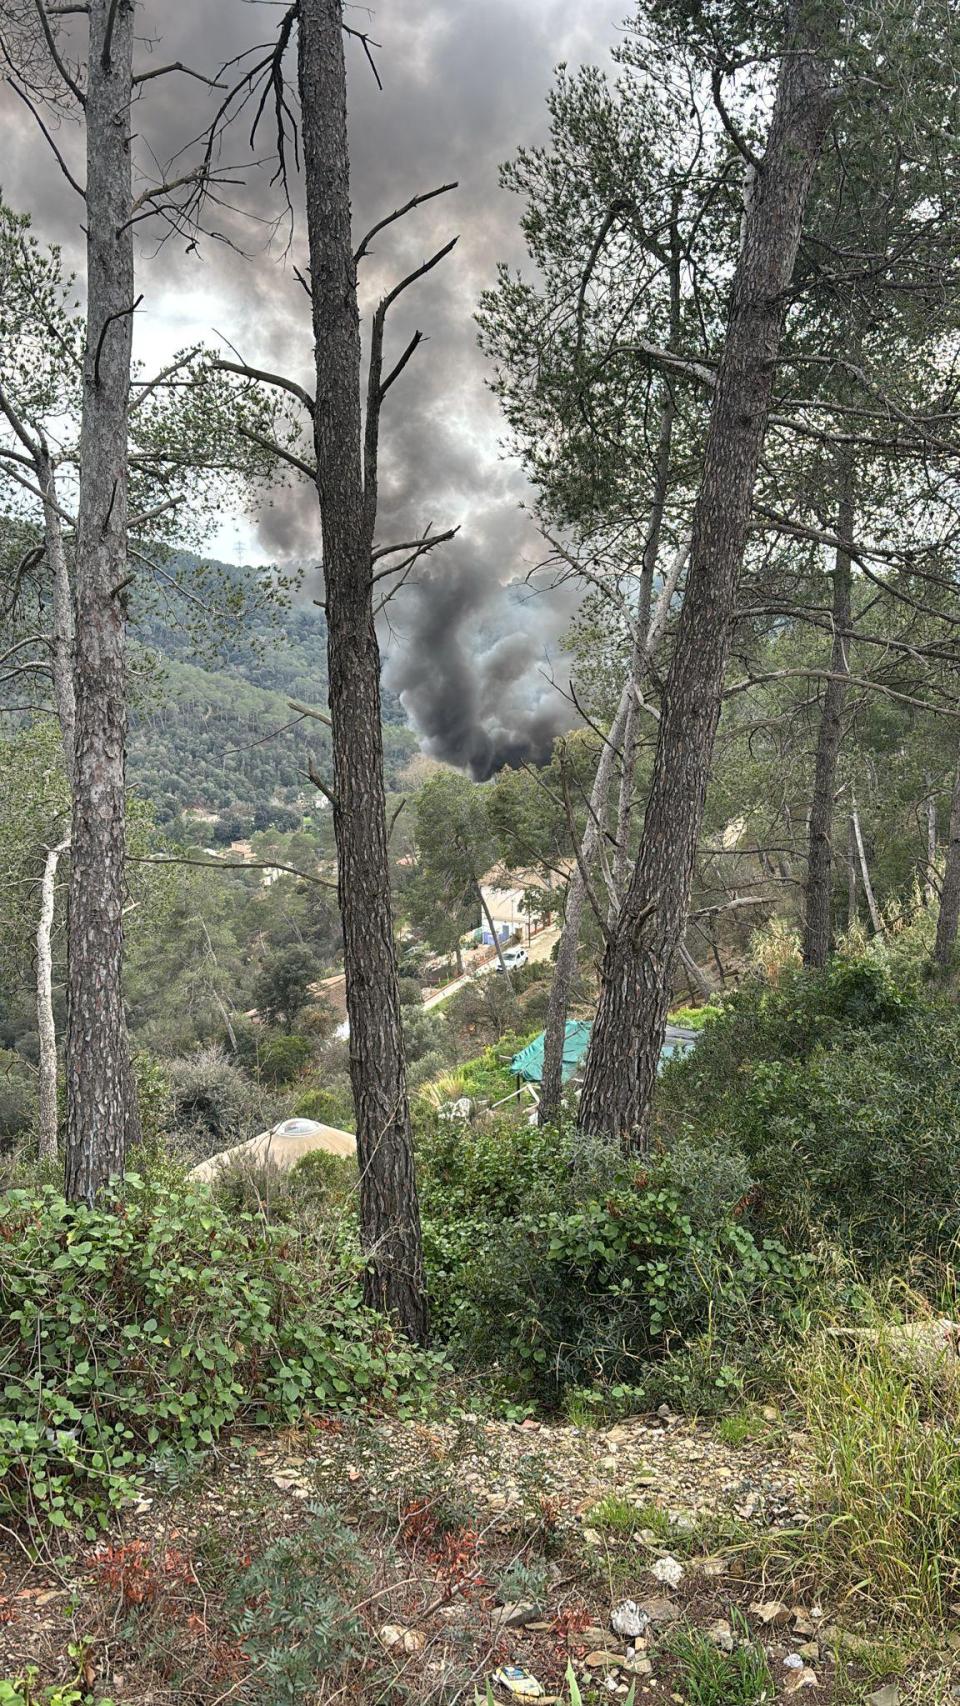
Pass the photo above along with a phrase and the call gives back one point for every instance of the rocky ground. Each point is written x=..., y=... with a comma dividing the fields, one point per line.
x=658, y=1554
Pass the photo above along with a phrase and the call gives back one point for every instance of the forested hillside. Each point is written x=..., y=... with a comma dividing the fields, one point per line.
x=211, y=724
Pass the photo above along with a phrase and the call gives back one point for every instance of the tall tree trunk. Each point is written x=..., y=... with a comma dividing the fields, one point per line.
x=389, y=1214
x=625, y=1044
x=949, y=913
x=497, y=944
x=651, y=551
x=99, y=1086
x=698, y=981
x=46, y=1029
x=568, y=947
x=819, y=884
x=929, y=885
x=872, y=907
x=851, y=876
x=62, y=638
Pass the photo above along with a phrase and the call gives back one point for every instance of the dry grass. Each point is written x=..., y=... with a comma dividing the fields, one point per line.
x=884, y=1426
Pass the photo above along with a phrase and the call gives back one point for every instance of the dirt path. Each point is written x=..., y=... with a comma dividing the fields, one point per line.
x=480, y=1544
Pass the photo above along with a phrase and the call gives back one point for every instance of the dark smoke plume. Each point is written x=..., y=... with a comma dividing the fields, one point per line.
x=475, y=668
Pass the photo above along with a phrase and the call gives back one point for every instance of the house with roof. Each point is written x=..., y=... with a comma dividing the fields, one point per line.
x=506, y=896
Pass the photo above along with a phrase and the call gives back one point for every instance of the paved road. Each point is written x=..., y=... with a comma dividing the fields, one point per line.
x=538, y=949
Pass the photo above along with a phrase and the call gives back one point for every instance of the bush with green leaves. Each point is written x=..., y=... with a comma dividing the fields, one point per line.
x=155, y=1322
x=554, y=1258
x=328, y=1104
x=711, y=1677
x=209, y=1096
x=319, y=1192
x=26, y=1690
x=282, y=1058
x=294, y=1609
x=840, y=1095
x=18, y=1097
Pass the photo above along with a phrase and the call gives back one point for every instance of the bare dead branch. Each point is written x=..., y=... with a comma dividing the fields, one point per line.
x=736, y=136
x=120, y=314
x=274, y=449
x=262, y=377
x=55, y=53
x=399, y=213
x=399, y=366
x=108, y=34
x=367, y=43
x=61, y=162
x=218, y=864
x=309, y=711
x=321, y=786
x=417, y=548
x=185, y=71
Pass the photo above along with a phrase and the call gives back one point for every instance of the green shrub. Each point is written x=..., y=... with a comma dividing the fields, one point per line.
x=411, y=995
x=25, y=1691
x=552, y=1258
x=208, y=1093
x=431, y=1065
x=18, y=1096
x=328, y=1104
x=694, y=1018
x=711, y=1677
x=423, y=1033
x=294, y=1609
x=156, y=1323
x=841, y=1094
x=281, y=1059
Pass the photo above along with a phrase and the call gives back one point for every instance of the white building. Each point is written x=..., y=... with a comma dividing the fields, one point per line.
x=504, y=895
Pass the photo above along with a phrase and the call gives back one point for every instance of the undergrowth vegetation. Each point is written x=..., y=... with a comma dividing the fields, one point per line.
x=153, y=1324
x=566, y=1267
x=882, y=1410
x=839, y=1096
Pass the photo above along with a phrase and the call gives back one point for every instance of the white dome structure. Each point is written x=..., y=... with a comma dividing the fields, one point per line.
x=282, y=1146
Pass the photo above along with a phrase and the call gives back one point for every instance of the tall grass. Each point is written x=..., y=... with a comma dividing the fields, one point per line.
x=714, y=1678
x=883, y=1416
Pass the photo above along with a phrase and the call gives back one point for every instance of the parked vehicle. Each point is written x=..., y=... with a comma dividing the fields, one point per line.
x=512, y=959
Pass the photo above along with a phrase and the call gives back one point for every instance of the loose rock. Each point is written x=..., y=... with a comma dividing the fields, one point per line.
x=408, y=1640
x=669, y=1571
x=659, y=1611
x=888, y=1695
x=628, y=1620
x=721, y=1634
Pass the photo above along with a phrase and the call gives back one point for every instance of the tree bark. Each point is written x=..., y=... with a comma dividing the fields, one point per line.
x=99, y=1086
x=949, y=914
x=389, y=1213
x=62, y=638
x=627, y=1037
x=929, y=884
x=819, y=885
x=651, y=551
x=872, y=907
x=46, y=1029
x=851, y=876
x=568, y=947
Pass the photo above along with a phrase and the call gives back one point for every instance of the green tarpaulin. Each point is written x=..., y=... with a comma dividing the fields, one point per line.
x=528, y=1064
